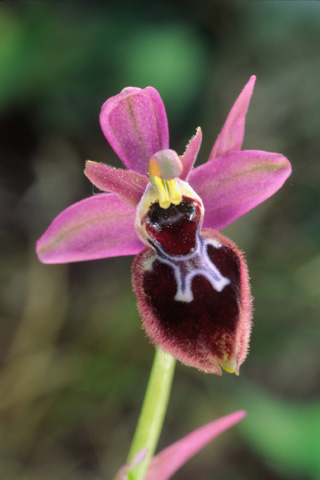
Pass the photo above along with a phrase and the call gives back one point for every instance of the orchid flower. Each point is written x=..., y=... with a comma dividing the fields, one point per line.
x=191, y=282
x=169, y=460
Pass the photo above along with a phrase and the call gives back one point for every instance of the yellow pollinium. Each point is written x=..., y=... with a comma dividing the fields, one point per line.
x=164, y=169
x=168, y=190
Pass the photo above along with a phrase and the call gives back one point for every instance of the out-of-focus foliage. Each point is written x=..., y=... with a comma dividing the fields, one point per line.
x=74, y=360
x=65, y=55
x=286, y=432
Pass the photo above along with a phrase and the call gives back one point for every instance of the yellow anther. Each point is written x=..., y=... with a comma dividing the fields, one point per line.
x=174, y=191
x=168, y=191
x=165, y=168
x=161, y=187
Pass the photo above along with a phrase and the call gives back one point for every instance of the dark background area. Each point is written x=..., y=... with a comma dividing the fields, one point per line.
x=74, y=360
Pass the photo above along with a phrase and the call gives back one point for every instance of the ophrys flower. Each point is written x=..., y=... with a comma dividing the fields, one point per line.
x=191, y=282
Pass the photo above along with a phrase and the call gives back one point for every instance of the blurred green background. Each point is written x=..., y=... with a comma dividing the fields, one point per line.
x=74, y=360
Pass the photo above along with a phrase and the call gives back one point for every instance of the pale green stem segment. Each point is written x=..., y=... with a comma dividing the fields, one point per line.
x=152, y=414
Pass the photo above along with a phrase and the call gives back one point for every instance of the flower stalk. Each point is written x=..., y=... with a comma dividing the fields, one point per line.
x=152, y=414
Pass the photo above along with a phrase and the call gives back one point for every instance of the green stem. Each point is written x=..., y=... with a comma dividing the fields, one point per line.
x=152, y=414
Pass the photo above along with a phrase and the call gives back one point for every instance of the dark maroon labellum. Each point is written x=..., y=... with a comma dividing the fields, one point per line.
x=192, y=289
x=174, y=228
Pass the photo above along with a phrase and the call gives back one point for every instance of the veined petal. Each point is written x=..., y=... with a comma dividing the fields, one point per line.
x=98, y=227
x=135, y=124
x=190, y=155
x=169, y=460
x=126, y=184
x=230, y=186
x=230, y=138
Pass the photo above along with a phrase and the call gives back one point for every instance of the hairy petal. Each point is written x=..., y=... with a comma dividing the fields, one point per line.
x=230, y=138
x=135, y=124
x=126, y=184
x=190, y=155
x=230, y=186
x=169, y=460
x=97, y=227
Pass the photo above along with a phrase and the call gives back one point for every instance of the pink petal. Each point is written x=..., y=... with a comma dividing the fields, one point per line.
x=126, y=184
x=135, y=124
x=230, y=186
x=167, y=462
x=190, y=155
x=230, y=138
x=97, y=227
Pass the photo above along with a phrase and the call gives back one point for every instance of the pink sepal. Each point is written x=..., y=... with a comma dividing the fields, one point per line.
x=135, y=124
x=126, y=184
x=230, y=186
x=230, y=138
x=97, y=227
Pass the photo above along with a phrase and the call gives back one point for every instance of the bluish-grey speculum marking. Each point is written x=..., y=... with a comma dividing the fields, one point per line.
x=177, y=243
